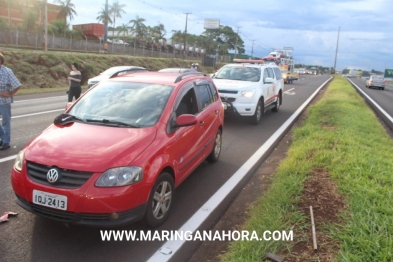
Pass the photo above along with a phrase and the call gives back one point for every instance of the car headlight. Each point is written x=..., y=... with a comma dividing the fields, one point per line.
x=248, y=93
x=19, y=161
x=120, y=176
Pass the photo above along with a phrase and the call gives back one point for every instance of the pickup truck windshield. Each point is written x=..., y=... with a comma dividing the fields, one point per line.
x=241, y=73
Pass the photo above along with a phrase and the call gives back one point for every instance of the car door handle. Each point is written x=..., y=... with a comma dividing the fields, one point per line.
x=201, y=123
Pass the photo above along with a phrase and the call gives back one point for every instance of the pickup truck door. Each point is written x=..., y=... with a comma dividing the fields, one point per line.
x=266, y=86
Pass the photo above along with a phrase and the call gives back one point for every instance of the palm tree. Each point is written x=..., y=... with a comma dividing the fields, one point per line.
x=138, y=27
x=116, y=10
x=123, y=29
x=104, y=16
x=66, y=9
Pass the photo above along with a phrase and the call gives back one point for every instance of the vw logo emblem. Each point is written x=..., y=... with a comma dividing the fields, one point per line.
x=52, y=176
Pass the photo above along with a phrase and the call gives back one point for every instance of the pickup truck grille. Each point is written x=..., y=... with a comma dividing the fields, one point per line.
x=228, y=91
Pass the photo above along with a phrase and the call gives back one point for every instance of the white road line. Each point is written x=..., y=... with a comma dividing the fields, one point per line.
x=7, y=158
x=43, y=98
x=289, y=90
x=40, y=113
x=204, y=212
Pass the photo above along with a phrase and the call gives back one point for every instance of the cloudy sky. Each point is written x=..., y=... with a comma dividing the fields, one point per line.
x=309, y=26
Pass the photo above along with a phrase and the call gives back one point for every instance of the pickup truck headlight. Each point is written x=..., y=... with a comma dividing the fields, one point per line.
x=248, y=93
x=18, y=165
x=120, y=176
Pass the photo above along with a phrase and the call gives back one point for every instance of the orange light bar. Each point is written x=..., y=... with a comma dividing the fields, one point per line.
x=248, y=61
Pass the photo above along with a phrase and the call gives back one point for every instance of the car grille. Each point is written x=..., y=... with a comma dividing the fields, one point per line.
x=229, y=99
x=68, y=178
x=228, y=91
x=58, y=215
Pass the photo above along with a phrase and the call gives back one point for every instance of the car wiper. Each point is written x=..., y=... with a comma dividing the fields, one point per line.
x=64, y=119
x=111, y=122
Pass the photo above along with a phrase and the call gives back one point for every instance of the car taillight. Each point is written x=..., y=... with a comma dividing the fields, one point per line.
x=371, y=81
x=384, y=82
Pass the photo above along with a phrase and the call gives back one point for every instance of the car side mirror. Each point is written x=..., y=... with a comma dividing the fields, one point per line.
x=268, y=80
x=185, y=120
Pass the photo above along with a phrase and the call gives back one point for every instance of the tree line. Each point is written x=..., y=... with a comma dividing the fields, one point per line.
x=219, y=41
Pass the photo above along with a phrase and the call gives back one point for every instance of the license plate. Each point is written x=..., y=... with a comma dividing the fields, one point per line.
x=49, y=200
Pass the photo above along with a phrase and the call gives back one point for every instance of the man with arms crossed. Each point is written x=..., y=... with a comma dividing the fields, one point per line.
x=9, y=85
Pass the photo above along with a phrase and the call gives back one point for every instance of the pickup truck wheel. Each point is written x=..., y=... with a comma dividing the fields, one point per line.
x=256, y=118
x=215, y=153
x=277, y=107
x=160, y=200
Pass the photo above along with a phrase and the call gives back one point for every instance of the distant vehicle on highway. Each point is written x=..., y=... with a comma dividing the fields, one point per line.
x=112, y=72
x=249, y=88
x=376, y=81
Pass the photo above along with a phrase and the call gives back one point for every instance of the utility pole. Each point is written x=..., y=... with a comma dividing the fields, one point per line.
x=185, y=36
x=106, y=23
x=237, y=35
x=46, y=26
x=335, y=58
x=252, y=48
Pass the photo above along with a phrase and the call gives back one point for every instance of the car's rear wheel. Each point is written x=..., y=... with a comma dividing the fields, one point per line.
x=256, y=118
x=215, y=153
x=160, y=200
x=278, y=102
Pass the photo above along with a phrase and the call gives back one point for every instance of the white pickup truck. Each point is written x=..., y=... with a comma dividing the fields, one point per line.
x=249, y=88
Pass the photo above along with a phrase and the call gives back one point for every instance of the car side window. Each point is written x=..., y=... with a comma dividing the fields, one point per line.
x=265, y=74
x=214, y=92
x=278, y=73
x=205, y=96
x=271, y=74
x=188, y=104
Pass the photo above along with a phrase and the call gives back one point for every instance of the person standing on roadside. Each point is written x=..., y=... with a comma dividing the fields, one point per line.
x=9, y=85
x=74, y=79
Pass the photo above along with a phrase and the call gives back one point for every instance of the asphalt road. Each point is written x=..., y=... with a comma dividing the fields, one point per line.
x=31, y=238
x=383, y=98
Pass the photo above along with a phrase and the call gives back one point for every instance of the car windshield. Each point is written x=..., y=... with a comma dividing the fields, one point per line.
x=241, y=73
x=133, y=104
x=113, y=70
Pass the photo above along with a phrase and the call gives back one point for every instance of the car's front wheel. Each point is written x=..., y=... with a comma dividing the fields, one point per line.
x=160, y=200
x=215, y=153
x=256, y=118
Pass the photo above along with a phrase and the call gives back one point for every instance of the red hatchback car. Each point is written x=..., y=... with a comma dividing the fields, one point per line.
x=118, y=153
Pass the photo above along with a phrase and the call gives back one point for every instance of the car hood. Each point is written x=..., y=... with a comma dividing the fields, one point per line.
x=225, y=84
x=87, y=147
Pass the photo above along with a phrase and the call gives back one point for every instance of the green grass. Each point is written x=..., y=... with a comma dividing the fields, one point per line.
x=343, y=136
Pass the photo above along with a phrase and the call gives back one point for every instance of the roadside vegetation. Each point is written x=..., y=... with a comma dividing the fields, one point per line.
x=41, y=72
x=341, y=142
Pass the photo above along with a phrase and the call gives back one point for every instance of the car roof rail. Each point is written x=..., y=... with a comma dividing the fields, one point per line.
x=129, y=70
x=180, y=77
